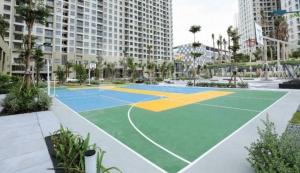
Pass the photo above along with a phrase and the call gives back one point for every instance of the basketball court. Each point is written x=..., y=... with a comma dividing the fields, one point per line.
x=169, y=126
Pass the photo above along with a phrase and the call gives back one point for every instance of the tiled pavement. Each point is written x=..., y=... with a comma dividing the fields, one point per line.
x=22, y=145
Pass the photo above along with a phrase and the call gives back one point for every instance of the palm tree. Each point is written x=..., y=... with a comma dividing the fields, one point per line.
x=100, y=66
x=170, y=69
x=31, y=12
x=163, y=69
x=123, y=63
x=3, y=26
x=132, y=68
x=68, y=66
x=39, y=63
x=151, y=69
x=213, y=39
x=194, y=29
x=234, y=48
x=229, y=31
x=225, y=46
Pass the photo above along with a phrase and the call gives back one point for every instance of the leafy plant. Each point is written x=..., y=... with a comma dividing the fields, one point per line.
x=69, y=150
x=60, y=74
x=25, y=100
x=81, y=73
x=7, y=82
x=272, y=153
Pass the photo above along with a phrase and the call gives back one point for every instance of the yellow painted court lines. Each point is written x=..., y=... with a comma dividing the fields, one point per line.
x=179, y=101
x=171, y=100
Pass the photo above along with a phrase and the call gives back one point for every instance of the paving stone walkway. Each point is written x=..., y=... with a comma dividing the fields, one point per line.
x=22, y=145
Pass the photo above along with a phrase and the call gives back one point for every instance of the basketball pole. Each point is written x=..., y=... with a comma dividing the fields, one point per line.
x=89, y=75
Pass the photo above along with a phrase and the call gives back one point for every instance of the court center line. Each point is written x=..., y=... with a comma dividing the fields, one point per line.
x=150, y=140
x=227, y=107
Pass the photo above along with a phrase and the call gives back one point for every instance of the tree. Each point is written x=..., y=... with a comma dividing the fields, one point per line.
x=81, y=74
x=31, y=12
x=220, y=42
x=68, y=66
x=234, y=48
x=170, y=68
x=60, y=74
x=3, y=26
x=100, y=66
x=151, y=69
x=163, y=69
x=132, y=68
x=194, y=29
x=258, y=54
x=39, y=63
x=214, y=46
x=281, y=28
x=123, y=63
x=225, y=46
x=229, y=33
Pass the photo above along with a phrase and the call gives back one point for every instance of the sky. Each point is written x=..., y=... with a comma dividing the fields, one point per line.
x=214, y=16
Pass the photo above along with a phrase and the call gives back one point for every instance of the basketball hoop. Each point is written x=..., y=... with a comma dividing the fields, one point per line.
x=250, y=42
x=93, y=66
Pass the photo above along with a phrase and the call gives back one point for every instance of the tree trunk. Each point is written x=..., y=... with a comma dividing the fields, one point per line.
x=27, y=57
x=37, y=76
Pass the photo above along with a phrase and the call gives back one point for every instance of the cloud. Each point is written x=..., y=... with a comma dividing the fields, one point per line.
x=214, y=16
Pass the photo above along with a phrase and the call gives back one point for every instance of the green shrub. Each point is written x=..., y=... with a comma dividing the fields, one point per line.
x=296, y=118
x=7, y=83
x=119, y=82
x=25, y=100
x=272, y=153
x=218, y=85
x=159, y=79
x=69, y=150
x=42, y=85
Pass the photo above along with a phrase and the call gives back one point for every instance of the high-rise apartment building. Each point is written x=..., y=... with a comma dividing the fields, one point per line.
x=82, y=30
x=293, y=21
x=255, y=11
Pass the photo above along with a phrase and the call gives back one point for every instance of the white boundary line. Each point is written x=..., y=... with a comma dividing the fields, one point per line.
x=228, y=137
x=226, y=107
x=151, y=141
x=113, y=138
x=249, y=98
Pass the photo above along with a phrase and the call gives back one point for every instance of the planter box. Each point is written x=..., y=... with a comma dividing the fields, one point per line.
x=293, y=84
x=51, y=152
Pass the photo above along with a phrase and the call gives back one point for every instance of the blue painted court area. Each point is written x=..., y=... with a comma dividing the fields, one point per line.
x=184, y=90
x=96, y=99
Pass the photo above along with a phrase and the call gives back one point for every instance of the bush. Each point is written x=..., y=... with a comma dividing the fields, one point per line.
x=218, y=85
x=69, y=150
x=274, y=153
x=7, y=82
x=119, y=82
x=159, y=79
x=25, y=100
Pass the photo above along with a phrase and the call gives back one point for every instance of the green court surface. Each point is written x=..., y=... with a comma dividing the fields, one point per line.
x=187, y=132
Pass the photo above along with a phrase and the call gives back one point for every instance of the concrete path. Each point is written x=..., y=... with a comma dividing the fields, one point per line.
x=22, y=145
